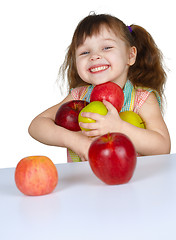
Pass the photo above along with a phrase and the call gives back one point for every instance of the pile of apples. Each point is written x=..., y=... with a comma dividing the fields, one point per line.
x=69, y=114
x=112, y=157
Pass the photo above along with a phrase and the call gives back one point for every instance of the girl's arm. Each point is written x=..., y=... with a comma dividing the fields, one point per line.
x=43, y=129
x=152, y=140
x=156, y=131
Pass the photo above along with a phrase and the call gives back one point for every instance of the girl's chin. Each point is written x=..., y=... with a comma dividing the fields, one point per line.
x=99, y=81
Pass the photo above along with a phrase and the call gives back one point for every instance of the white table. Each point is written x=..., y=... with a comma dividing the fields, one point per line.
x=83, y=207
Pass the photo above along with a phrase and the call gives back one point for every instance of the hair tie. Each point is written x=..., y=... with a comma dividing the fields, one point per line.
x=130, y=29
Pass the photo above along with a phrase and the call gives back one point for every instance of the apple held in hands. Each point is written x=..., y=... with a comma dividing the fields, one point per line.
x=36, y=175
x=133, y=118
x=110, y=92
x=94, y=107
x=112, y=158
x=67, y=114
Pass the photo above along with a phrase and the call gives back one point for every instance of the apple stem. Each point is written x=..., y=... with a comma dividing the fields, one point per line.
x=109, y=136
x=85, y=101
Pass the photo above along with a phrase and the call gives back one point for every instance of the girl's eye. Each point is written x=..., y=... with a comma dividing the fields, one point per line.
x=107, y=48
x=84, y=53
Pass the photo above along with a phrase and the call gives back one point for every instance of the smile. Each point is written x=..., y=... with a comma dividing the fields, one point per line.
x=98, y=68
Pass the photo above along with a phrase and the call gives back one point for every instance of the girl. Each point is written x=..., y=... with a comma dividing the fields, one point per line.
x=104, y=49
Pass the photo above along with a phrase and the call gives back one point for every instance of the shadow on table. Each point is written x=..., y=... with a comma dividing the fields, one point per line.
x=76, y=174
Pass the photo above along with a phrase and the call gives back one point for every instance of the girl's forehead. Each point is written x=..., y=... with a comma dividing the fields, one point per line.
x=103, y=33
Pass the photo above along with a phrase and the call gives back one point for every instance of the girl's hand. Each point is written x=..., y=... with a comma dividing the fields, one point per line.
x=109, y=123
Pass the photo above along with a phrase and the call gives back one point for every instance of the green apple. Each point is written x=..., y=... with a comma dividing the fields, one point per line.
x=94, y=107
x=133, y=118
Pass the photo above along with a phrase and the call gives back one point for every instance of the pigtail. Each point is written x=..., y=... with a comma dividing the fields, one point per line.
x=148, y=69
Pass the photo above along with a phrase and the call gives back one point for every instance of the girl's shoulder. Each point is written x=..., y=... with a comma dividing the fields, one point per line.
x=135, y=97
x=141, y=95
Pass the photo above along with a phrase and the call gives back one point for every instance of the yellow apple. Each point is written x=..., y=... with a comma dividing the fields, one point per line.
x=94, y=107
x=133, y=118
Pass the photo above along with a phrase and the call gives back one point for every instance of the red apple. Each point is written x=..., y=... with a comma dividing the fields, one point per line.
x=36, y=175
x=67, y=114
x=110, y=92
x=112, y=158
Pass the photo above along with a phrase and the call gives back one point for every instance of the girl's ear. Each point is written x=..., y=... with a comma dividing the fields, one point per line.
x=132, y=55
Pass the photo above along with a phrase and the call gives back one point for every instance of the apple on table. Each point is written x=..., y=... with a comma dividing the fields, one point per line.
x=36, y=175
x=112, y=158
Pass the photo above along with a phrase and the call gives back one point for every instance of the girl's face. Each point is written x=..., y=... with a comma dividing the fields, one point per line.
x=104, y=57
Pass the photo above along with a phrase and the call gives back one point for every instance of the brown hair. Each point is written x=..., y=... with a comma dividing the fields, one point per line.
x=147, y=71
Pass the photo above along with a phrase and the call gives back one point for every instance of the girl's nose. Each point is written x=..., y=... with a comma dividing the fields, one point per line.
x=95, y=57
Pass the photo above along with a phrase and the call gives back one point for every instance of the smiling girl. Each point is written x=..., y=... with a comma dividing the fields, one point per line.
x=104, y=49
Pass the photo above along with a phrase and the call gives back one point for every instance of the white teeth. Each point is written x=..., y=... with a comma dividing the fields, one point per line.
x=97, y=69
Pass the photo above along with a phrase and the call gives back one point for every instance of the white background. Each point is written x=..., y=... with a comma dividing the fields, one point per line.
x=34, y=36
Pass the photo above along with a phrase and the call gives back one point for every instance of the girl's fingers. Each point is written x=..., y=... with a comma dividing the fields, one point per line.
x=88, y=125
x=109, y=106
x=94, y=116
x=92, y=133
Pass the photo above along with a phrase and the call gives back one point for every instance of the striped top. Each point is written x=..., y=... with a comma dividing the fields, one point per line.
x=134, y=98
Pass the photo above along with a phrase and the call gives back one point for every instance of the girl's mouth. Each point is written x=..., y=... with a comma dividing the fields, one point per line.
x=97, y=69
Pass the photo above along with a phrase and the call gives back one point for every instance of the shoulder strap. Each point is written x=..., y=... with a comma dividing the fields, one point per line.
x=135, y=97
x=85, y=95
x=82, y=93
x=129, y=97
